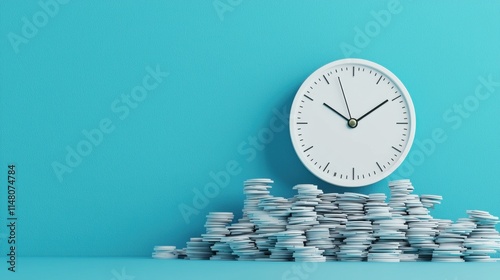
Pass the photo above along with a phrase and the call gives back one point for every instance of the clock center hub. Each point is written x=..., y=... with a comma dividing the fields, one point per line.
x=352, y=123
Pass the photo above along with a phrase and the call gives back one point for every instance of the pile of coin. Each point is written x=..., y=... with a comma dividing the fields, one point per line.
x=197, y=249
x=165, y=252
x=451, y=241
x=314, y=226
x=484, y=240
x=387, y=231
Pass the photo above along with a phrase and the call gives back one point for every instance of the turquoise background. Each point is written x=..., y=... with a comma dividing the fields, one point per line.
x=228, y=76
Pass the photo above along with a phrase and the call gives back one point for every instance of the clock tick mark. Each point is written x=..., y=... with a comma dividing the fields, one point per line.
x=401, y=123
x=378, y=167
x=308, y=97
x=396, y=97
x=301, y=122
x=353, y=71
x=326, y=80
x=311, y=148
x=396, y=149
x=378, y=79
x=326, y=166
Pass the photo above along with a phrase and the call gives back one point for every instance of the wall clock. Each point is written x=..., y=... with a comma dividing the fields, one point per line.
x=352, y=122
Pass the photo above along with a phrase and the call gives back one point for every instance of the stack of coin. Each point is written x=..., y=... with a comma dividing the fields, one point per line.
x=484, y=240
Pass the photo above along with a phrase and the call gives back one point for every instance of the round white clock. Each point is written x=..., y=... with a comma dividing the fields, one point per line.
x=352, y=122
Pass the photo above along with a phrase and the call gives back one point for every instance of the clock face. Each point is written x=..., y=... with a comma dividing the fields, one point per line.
x=352, y=122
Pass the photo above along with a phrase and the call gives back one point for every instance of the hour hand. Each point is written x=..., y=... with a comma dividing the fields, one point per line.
x=329, y=107
x=371, y=111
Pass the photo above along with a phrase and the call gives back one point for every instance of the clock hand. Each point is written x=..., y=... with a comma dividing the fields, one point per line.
x=342, y=88
x=369, y=112
x=328, y=106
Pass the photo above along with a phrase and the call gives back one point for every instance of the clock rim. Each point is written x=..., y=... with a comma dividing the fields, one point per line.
x=411, y=110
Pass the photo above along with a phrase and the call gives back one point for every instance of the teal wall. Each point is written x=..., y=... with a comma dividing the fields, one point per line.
x=164, y=99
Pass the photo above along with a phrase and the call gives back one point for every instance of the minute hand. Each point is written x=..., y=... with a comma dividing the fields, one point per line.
x=369, y=112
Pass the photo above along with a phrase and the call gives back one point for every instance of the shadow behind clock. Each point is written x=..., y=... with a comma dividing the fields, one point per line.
x=288, y=170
